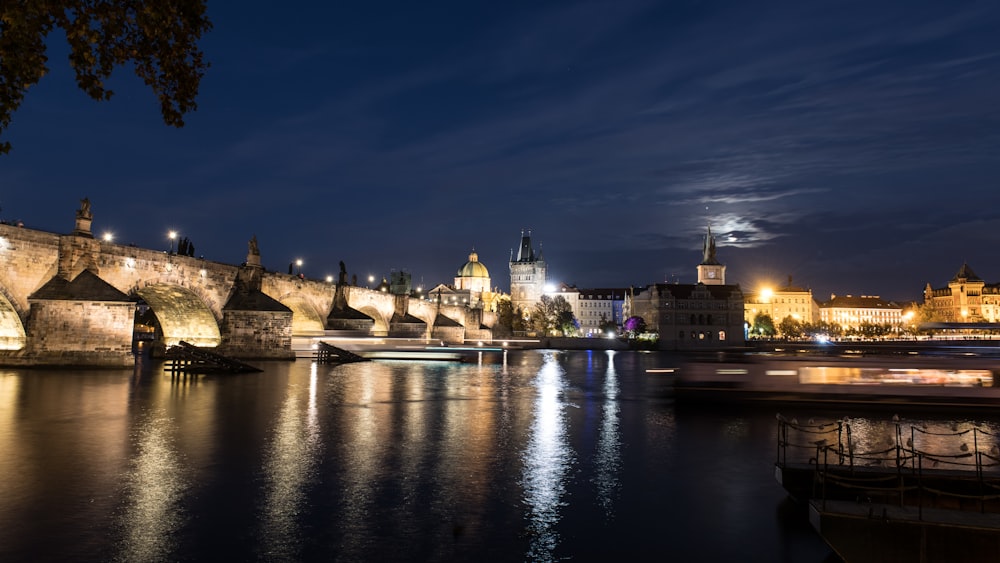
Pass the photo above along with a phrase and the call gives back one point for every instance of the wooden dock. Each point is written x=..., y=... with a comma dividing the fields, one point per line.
x=330, y=354
x=914, y=500
x=188, y=358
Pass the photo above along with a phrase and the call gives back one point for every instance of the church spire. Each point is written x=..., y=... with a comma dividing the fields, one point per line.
x=525, y=253
x=708, y=249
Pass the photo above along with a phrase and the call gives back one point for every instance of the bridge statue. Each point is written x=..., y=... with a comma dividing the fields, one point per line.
x=84, y=211
x=83, y=219
x=253, y=253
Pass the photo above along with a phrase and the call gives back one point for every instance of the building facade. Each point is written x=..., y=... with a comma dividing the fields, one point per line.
x=527, y=275
x=966, y=299
x=851, y=312
x=597, y=305
x=781, y=303
x=702, y=316
x=471, y=289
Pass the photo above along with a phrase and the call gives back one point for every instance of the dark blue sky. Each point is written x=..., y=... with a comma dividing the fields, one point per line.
x=852, y=145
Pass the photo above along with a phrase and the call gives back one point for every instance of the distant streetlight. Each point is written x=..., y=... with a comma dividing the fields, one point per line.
x=329, y=279
x=172, y=235
x=766, y=294
x=298, y=265
x=371, y=280
x=108, y=237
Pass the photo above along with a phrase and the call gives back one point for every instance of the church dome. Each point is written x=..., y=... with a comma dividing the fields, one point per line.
x=473, y=268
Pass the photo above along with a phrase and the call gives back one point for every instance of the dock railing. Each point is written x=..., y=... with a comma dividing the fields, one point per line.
x=934, y=465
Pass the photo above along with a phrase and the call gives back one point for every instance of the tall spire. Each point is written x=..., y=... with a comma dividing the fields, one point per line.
x=708, y=248
x=525, y=253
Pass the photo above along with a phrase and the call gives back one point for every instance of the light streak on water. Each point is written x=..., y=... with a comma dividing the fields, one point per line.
x=608, y=462
x=547, y=461
x=289, y=467
x=155, y=486
x=361, y=453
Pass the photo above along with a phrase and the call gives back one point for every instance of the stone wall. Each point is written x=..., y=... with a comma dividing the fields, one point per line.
x=407, y=330
x=449, y=334
x=257, y=335
x=83, y=333
x=28, y=259
x=478, y=335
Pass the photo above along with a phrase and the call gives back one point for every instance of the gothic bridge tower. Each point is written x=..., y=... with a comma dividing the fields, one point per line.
x=527, y=275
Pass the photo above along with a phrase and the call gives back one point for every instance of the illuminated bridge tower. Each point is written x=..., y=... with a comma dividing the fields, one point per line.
x=527, y=275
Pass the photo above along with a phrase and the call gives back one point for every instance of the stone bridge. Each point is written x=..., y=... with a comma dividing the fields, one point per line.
x=74, y=300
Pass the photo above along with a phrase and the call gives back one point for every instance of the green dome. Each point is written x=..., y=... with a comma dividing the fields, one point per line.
x=473, y=268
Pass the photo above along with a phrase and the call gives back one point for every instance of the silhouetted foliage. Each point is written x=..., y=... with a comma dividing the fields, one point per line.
x=505, y=318
x=518, y=323
x=790, y=328
x=635, y=326
x=763, y=325
x=551, y=315
x=157, y=37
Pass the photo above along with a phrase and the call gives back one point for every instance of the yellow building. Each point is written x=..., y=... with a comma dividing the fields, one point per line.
x=780, y=303
x=966, y=299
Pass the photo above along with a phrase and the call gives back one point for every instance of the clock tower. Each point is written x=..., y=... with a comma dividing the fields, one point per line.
x=710, y=271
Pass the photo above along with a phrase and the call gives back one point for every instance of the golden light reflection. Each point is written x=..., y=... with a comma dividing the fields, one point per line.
x=468, y=444
x=362, y=452
x=609, y=442
x=155, y=487
x=10, y=389
x=547, y=460
x=290, y=465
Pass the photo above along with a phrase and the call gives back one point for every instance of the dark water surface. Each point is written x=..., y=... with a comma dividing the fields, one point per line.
x=545, y=456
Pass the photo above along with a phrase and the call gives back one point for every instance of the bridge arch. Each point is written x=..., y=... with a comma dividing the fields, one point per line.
x=182, y=315
x=12, y=336
x=425, y=311
x=381, y=326
x=306, y=320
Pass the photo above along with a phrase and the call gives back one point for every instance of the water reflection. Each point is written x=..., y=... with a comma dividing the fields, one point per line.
x=547, y=460
x=361, y=454
x=155, y=485
x=290, y=465
x=13, y=492
x=541, y=457
x=608, y=462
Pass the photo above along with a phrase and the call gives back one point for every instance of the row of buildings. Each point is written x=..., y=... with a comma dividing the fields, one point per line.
x=712, y=313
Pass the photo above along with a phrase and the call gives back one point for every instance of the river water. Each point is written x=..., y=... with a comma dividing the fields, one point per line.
x=536, y=456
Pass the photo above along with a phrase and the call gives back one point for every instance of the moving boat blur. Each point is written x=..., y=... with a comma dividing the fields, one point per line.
x=896, y=381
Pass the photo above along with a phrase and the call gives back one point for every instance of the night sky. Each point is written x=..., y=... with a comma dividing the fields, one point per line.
x=852, y=145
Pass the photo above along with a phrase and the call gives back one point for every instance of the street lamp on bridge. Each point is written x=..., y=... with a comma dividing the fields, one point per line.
x=172, y=235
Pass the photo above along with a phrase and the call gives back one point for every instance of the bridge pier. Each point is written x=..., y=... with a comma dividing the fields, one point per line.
x=254, y=325
x=80, y=323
